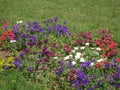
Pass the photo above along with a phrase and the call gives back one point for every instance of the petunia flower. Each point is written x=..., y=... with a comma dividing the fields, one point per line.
x=82, y=48
x=73, y=62
x=82, y=59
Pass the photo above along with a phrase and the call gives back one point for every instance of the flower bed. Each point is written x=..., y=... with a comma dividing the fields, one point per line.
x=51, y=54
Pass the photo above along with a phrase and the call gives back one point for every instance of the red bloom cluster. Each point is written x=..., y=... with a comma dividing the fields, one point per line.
x=107, y=45
x=71, y=75
x=103, y=64
x=67, y=48
x=84, y=37
x=7, y=35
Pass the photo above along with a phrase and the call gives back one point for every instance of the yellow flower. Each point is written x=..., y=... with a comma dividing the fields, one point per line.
x=1, y=62
x=10, y=59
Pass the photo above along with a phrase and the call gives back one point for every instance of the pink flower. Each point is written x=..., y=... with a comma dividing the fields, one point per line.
x=67, y=48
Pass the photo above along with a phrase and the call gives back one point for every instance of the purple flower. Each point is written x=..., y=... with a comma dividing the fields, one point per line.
x=114, y=62
x=17, y=63
x=34, y=53
x=91, y=77
x=111, y=80
x=81, y=75
x=23, y=43
x=55, y=19
x=22, y=54
x=33, y=39
x=35, y=24
x=50, y=29
x=117, y=85
x=31, y=43
x=25, y=35
x=117, y=75
x=85, y=64
x=26, y=50
x=30, y=68
x=118, y=68
x=15, y=29
x=70, y=65
x=76, y=83
x=59, y=71
x=107, y=65
x=85, y=82
x=45, y=60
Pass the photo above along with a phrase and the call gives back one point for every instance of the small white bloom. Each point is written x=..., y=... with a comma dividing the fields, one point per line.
x=66, y=58
x=73, y=62
x=55, y=57
x=82, y=59
x=19, y=22
x=11, y=41
x=100, y=60
x=98, y=49
x=92, y=64
x=76, y=48
x=73, y=51
x=77, y=56
x=82, y=48
x=70, y=56
x=87, y=44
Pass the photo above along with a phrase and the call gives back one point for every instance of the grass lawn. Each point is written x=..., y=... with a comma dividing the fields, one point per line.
x=81, y=15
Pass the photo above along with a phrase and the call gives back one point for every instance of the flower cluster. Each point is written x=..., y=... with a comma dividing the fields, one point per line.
x=83, y=62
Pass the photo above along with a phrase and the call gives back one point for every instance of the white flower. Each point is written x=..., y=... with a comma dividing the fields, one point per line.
x=87, y=44
x=77, y=56
x=19, y=22
x=11, y=41
x=82, y=48
x=92, y=64
x=98, y=49
x=82, y=59
x=70, y=56
x=73, y=62
x=76, y=48
x=67, y=57
x=73, y=51
x=55, y=57
x=100, y=60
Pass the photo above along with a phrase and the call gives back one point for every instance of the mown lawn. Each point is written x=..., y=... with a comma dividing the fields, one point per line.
x=81, y=15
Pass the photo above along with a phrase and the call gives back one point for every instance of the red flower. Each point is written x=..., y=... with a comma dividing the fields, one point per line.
x=118, y=60
x=72, y=77
x=98, y=64
x=103, y=55
x=53, y=45
x=112, y=45
x=67, y=48
x=2, y=37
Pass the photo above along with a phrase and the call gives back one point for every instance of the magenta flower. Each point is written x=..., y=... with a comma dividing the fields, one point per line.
x=67, y=48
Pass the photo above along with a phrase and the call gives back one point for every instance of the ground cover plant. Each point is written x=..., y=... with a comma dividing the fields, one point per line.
x=53, y=57
x=77, y=48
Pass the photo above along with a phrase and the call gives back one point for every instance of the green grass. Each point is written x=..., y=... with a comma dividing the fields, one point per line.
x=81, y=15
x=14, y=80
